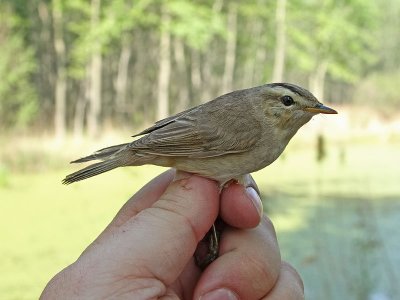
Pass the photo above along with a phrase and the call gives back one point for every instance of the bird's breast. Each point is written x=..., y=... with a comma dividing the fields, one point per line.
x=229, y=166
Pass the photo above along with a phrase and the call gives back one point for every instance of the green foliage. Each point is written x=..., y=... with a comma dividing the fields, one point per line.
x=341, y=33
x=195, y=23
x=120, y=17
x=117, y=19
x=389, y=36
x=345, y=40
x=256, y=36
x=18, y=99
x=79, y=27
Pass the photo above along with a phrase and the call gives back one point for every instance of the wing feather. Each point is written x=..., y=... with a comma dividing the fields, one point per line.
x=201, y=132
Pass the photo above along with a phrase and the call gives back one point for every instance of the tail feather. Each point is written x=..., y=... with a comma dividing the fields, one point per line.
x=101, y=154
x=93, y=170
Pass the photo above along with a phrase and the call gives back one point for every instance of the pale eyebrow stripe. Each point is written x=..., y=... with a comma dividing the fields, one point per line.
x=295, y=89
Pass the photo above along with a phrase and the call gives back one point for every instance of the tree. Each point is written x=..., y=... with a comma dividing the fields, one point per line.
x=280, y=47
x=230, y=53
x=331, y=37
x=128, y=61
x=255, y=42
x=60, y=117
x=95, y=73
x=18, y=98
x=165, y=67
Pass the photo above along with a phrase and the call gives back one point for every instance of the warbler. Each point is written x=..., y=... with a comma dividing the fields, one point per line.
x=224, y=139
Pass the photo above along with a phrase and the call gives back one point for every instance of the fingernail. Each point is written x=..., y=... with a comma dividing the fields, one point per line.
x=220, y=294
x=255, y=199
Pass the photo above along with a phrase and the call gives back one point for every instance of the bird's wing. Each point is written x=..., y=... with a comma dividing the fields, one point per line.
x=164, y=122
x=200, y=132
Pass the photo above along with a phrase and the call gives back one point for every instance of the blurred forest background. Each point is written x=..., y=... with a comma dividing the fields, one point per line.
x=77, y=66
x=79, y=75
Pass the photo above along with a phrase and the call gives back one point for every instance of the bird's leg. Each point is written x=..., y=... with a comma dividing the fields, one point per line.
x=208, y=248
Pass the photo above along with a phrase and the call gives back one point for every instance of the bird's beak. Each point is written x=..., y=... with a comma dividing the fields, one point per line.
x=321, y=109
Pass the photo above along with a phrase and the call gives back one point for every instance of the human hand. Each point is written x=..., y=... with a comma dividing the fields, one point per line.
x=146, y=252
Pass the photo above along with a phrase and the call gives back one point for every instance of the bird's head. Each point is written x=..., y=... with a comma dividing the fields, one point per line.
x=289, y=106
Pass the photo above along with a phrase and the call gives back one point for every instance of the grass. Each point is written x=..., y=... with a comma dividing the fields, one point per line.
x=337, y=222
x=46, y=225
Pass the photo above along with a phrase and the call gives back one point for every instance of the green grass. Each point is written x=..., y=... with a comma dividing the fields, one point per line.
x=44, y=225
x=337, y=222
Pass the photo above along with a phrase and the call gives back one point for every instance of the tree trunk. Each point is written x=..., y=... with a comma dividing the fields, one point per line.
x=195, y=75
x=61, y=78
x=79, y=113
x=79, y=117
x=230, y=54
x=164, y=69
x=122, y=79
x=317, y=80
x=260, y=60
x=207, y=62
x=46, y=61
x=95, y=76
x=280, y=48
x=183, y=91
x=250, y=62
x=209, y=78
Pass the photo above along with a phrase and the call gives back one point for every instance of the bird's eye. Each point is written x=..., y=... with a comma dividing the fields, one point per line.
x=287, y=100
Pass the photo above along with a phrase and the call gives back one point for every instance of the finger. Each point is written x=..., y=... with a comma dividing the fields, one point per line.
x=241, y=206
x=289, y=285
x=248, y=266
x=144, y=198
x=187, y=280
x=160, y=240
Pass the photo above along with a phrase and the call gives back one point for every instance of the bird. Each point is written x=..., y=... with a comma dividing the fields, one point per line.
x=224, y=139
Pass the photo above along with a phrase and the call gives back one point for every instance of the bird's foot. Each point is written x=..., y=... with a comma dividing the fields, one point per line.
x=208, y=249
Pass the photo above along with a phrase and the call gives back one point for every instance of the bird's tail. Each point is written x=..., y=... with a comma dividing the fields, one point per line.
x=101, y=154
x=94, y=169
x=111, y=159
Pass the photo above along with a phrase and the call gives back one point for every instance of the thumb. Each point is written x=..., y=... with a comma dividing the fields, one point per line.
x=160, y=240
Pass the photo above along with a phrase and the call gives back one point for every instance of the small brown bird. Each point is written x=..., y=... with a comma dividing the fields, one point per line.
x=224, y=139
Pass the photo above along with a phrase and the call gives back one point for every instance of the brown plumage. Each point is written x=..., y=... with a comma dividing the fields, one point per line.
x=226, y=138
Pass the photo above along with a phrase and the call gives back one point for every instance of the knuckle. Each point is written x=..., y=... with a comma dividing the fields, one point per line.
x=264, y=274
x=268, y=225
x=293, y=272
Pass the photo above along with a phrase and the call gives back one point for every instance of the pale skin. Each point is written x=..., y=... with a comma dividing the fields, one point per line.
x=146, y=252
